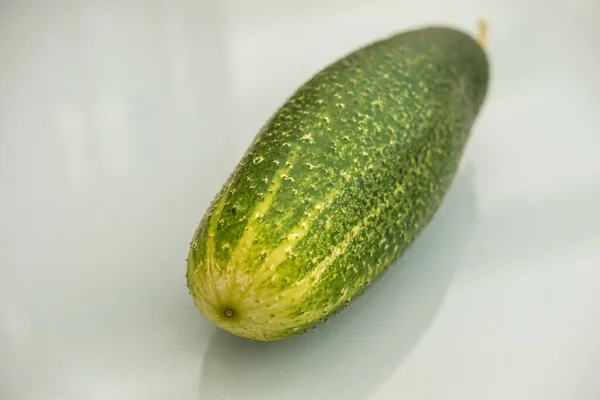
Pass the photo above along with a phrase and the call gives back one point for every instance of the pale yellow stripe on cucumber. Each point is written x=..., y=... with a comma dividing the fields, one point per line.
x=287, y=298
x=239, y=255
x=204, y=300
x=281, y=253
x=204, y=293
x=212, y=275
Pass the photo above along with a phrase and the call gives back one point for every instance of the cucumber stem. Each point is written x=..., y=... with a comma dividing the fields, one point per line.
x=483, y=29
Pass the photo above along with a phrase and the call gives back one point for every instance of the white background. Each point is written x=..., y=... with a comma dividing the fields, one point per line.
x=119, y=120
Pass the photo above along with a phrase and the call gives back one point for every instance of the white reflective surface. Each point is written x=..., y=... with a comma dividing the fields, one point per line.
x=119, y=121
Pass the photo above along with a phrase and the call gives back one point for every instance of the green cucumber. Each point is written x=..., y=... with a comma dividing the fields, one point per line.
x=337, y=184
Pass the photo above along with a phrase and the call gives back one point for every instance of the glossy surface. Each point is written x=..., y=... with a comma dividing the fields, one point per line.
x=108, y=110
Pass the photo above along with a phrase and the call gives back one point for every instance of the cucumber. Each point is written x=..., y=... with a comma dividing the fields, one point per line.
x=338, y=183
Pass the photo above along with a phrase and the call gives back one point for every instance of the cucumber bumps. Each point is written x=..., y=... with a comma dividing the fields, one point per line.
x=337, y=184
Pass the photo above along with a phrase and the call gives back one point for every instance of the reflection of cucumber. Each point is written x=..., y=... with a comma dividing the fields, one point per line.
x=337, y=184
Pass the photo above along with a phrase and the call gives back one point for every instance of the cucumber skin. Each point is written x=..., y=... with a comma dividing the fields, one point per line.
x=337, y=184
